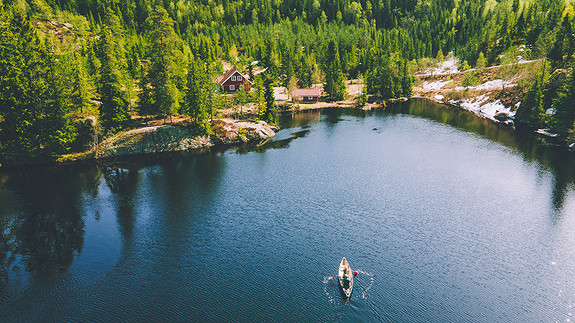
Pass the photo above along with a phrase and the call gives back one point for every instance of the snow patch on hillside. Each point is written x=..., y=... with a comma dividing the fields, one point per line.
x=482, y=105
x=489, y=85
x=450, y=66
x=437, y=85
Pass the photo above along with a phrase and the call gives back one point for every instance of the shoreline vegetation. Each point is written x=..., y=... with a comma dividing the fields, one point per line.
x=178, y=136
x=85, y=79
x=237, y=124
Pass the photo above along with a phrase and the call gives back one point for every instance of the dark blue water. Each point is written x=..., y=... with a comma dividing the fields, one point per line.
x=446, y=217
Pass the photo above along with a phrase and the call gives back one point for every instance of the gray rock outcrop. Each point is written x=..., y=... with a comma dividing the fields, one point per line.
x=170, y=138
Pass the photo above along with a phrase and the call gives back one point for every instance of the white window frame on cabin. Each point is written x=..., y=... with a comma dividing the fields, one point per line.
x=233, y=78
x=232, y=88
x=310, y=98
x=239, y=78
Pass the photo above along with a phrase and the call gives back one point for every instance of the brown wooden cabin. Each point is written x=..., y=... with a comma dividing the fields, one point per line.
x=233, y=80
x=306, y=95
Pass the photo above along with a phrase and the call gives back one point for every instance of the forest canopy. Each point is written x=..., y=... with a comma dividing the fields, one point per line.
x=60, y=57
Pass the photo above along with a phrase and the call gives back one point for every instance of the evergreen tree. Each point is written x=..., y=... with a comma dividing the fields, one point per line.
x=334, y=84
x=562, y=120
x=80, y=95
x=387, y=84
x=407, y=81
x=481, y=61
x=531, y=109
x=305, y=74
x=33, y=118
x=271, y=58
x=114, y=107
x=199, y=96
x=439, y=56
x=162, y=73
x=145, y=103
x=259, y=97
x=564, y=43
x=380, y=79
x=270, y=100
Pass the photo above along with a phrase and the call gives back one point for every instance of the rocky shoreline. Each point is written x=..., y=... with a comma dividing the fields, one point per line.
x=165, y=138
x=173, y=138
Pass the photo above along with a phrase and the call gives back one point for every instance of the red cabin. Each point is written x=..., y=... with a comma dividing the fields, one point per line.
x=233, y=81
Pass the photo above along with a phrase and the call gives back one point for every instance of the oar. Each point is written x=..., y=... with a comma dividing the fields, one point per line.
x=354, y=273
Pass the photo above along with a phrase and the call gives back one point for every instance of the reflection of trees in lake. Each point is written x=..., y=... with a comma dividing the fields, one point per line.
x=44, y=225
x=7, y=255
x=563, y=168
x=192, y=179
x=302, y=119
x=50, y=241
x=124, y=184
x=271, y=143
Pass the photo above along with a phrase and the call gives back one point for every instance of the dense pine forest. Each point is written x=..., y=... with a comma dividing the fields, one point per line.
x=65, y=59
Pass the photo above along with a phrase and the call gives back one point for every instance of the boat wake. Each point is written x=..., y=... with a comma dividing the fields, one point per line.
x=362, y=284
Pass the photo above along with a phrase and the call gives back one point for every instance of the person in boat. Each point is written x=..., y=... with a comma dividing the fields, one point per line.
x=345, y=274
x=345, y=279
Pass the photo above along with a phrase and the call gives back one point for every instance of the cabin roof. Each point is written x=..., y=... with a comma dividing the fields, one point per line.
x=306, y=92
x=222, y=79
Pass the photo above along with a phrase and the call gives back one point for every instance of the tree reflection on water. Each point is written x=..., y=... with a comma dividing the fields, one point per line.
x=43, y=229
x=42, y=209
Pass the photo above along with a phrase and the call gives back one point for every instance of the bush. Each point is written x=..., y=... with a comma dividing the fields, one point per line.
x=361, y=100
x=469, y=80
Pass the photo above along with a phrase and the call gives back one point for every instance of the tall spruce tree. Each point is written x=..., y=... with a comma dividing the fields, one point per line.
x=259, y=96
x=563, y=45
x=564, y=117
x=114, y=107
x=270, y=100
x=531, y=109
x=407, y=81
x=80, y=96
x=199, y=95
x=380, y=79
x=165, y=95
x=33, y=118
x=334, y=84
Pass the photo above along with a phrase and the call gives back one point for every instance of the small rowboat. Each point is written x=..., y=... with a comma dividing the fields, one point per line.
x=345, y=277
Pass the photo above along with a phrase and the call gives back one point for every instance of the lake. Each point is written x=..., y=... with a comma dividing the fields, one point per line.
x=446, y=217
